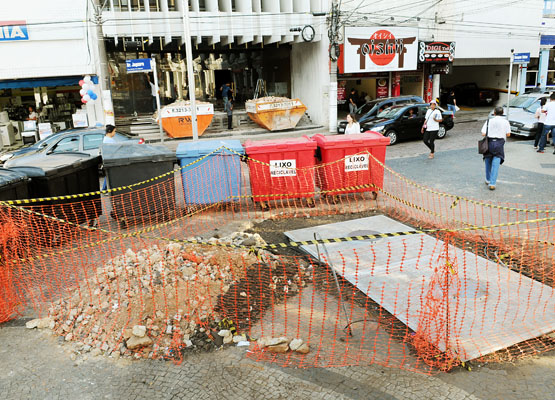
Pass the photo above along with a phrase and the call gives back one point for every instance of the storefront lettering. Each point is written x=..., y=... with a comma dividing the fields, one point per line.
x=381, y=48
x=13, y=30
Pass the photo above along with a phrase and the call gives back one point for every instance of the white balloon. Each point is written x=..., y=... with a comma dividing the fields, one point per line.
x=85, y=87
x=87, y=79
x=82, y=92
x=87, y=98
x=91, y=101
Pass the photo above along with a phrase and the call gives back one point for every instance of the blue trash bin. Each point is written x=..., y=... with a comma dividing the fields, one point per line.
x=216, y=178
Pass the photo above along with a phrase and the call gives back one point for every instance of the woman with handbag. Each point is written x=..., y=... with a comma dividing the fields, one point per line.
x=431, y=127
x=495, y=131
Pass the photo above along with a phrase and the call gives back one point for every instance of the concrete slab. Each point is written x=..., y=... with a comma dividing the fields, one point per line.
x=482, y=307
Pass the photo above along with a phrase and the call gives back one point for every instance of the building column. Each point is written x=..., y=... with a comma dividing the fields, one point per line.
x=435, y=87
x=522, y=77
x=544, y=65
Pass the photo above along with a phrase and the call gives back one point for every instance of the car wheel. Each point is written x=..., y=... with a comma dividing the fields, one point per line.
x=392, y=135
x=442, y=132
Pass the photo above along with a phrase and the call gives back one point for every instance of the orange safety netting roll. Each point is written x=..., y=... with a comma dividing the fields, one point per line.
x=145, y=272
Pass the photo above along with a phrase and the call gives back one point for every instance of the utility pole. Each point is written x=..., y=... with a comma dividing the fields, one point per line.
x=333, y=35
x=102, y=63
x=510, y=81
x=189, y=60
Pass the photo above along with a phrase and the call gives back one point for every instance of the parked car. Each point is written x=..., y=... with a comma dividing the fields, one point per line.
x=81, y=141
x=372, y=108
x=397, y=122
x=522, y=113
x=471, y=95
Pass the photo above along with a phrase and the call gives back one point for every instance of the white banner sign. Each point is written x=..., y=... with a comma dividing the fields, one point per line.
x=283, y=168
x=378, y=49
x=358, y=162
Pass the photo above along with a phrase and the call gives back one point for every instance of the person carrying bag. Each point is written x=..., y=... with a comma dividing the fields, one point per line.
x=495, y=145
x=483, y=143
x=431, y=127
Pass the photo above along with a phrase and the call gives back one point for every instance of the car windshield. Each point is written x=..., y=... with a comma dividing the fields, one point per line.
x=533, y=107
x=390, y=113
x=367, y=107
x=522, y=101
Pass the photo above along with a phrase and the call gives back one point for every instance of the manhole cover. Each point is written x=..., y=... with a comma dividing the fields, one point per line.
x=365, y=232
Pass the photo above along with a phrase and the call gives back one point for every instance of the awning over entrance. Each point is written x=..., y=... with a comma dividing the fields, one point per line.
x=43, y=82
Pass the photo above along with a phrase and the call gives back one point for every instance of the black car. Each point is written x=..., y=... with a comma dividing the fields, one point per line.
x=405, y=122
x=372, y=108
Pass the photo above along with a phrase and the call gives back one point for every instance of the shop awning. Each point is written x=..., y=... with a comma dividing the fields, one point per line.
x=43, y=82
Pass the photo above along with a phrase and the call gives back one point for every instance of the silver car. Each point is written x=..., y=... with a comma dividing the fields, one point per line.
x=522, y=113
x=78, y=141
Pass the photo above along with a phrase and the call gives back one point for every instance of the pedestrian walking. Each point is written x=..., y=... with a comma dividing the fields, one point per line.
x=431, y=127
x=227, y=92
x=228, y=107
x=496, y=130
x=549, y=123
x=353, y=101
x=540, y=116
x=153, y=92
x=352, y=125
x=452, y=102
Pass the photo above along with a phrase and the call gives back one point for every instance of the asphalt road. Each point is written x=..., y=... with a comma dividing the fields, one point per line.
x=525, y=177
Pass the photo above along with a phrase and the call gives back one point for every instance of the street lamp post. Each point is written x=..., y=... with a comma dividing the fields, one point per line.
x=189, y=60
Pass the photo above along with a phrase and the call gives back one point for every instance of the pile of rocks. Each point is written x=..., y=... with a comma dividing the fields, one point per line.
x=157, y=301
x=283, y=345
x=268, y=99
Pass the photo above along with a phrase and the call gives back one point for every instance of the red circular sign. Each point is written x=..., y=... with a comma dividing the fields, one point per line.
x=381, y=54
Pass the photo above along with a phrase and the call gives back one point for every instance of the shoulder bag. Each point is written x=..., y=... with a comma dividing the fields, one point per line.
x=426, y=123
x=483, y=143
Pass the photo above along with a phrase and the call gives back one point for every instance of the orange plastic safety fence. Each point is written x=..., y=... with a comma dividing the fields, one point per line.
x=126, y=271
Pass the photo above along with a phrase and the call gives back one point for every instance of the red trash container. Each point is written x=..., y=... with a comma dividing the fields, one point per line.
x=346, y=163
x=281, y=168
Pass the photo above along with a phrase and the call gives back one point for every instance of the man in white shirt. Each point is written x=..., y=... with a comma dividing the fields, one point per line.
x=431, y=127
x=549, y=124
x=496, y=129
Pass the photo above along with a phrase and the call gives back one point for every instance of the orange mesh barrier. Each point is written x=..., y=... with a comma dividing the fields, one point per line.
x=193, y=260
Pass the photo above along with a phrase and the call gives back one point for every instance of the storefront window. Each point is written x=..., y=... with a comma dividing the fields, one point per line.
x=531, y=78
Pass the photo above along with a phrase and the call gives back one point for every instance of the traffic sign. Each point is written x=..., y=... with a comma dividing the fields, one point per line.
x=138, y=65
x=521, y=58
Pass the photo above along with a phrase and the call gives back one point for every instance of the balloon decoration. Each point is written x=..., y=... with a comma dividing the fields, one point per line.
x=87, y=90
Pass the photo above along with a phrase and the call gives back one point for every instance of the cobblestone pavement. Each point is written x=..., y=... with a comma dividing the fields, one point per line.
x=36, y=365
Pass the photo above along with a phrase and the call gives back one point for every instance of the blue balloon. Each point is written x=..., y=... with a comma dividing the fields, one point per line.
x=94, y=96
x=90, y=93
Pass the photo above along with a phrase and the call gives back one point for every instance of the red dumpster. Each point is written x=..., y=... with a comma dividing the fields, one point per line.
x=346, y=163
x=281, y=168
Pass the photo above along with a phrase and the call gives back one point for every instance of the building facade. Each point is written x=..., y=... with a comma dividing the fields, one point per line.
x=273, y=47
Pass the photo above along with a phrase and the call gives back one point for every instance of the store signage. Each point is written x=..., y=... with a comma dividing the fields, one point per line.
x=45, y=130
x=440, y=69
x=13, y=30
x=283, y=168
x=358, y=162
x=80, y=120
x=380, y=49
x=521, y=58
x=341, y=92
x=138, y=65
x=382, y=88
x=436, y=52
